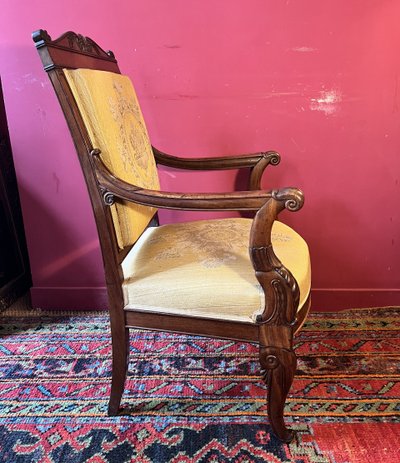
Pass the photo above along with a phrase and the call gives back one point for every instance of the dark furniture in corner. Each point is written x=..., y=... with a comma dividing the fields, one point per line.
x=15, y=277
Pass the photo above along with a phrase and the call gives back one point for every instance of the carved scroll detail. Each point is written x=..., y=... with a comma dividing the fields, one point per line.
x=266, y=262
x=95, y=152
x=293, y=198
x=280, y=310
x=108, y=198
x=292, y=283
x=273, y=157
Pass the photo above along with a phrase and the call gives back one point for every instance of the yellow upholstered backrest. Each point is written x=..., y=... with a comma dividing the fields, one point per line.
x=113, y=119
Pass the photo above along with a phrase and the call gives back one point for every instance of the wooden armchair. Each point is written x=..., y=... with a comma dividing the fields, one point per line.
x=236, y=278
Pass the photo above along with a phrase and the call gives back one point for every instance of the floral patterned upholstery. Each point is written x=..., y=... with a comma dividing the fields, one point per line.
x=112, y=116
x=203, y=269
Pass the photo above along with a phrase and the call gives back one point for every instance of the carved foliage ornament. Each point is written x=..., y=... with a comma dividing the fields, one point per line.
x=71, y=40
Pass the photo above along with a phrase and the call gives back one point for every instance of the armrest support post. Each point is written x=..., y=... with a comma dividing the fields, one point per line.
x=280, y=287
x=256, y=173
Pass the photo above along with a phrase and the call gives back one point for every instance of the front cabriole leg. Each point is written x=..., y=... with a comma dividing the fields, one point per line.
x=278, y=366
x=276, y=322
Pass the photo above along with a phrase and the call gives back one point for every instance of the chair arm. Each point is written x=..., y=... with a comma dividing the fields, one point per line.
x=256, y=161
x=113, y=187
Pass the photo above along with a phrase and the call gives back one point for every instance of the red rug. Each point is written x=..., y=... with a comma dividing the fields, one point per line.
x=195, y=399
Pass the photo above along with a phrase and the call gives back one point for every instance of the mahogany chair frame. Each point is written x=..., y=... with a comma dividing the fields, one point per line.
x=274, y=329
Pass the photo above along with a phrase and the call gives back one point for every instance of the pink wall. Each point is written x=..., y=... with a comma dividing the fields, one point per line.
x=317, y=81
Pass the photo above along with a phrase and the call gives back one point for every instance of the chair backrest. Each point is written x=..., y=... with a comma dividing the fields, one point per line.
x=112, y=116
x=103, y=113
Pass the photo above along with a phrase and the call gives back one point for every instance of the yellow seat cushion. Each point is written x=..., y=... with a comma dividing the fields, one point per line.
x=203, y=269
x=112, y=116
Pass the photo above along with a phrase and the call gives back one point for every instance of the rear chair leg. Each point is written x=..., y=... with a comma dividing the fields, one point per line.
x=120, y=360
x=278, y=366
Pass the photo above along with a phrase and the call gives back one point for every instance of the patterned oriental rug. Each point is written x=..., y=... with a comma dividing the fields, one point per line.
x=195, y=399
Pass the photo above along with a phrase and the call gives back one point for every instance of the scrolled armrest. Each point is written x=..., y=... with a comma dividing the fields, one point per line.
x=257, y=162
x=217, y=163
x=113, y=188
